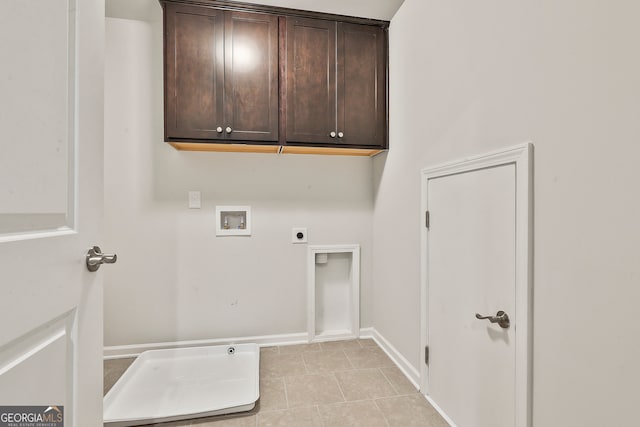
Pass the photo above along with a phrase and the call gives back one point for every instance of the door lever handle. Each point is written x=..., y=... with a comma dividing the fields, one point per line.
x=95, y=258
x=501, y=318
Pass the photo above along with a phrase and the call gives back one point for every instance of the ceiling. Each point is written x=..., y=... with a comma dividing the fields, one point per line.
x=149, y=10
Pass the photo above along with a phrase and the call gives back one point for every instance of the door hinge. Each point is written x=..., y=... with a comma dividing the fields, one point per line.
x=426, y=355
x=426, y=220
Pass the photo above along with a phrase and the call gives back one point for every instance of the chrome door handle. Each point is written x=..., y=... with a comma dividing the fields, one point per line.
x=219, y=129
x=332, y=134
x=501, y=318
x=95, y=258
x=229, y=130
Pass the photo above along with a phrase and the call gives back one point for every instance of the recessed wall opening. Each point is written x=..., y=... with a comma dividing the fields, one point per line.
x=334, y=292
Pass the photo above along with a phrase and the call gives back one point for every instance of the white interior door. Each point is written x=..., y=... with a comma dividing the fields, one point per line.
x=51, y=116
x=471, y=270
x=473, y=246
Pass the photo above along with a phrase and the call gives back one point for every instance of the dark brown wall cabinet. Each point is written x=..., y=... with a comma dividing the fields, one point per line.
x=221, y=75
x=273, y=79
x=335, y=84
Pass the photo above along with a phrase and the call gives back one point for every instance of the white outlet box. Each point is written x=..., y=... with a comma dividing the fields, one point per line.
x=299, y=235
x=194, y=200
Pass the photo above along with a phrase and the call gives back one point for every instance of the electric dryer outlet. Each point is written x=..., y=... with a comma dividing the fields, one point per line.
x=299, y=235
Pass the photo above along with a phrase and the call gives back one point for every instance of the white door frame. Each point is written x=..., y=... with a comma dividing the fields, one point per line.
x=522, y=157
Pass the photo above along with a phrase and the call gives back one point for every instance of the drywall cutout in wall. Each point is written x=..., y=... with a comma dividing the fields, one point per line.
x=334, y=292
x=233, y=220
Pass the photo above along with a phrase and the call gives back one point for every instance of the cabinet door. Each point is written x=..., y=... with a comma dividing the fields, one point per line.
x=362, y=95
x=194, y=72
x=251, y=76
x=310, y=80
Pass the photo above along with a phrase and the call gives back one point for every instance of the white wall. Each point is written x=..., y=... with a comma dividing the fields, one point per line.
x=468, y=77
x=175, y=280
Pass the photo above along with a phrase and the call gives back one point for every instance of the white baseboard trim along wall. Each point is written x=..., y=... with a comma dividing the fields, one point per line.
x=409, y=371
x=440, y=411
x=123, y=351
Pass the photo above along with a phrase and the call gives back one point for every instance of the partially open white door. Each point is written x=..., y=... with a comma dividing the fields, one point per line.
x=51, y=122
x=477, y=285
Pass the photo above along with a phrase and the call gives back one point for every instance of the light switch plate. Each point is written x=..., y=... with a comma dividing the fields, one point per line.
x=194, y=200
x=296, y=232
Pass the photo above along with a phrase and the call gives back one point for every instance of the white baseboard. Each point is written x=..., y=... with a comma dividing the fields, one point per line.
x=366, y=333
x=409, y=371
x=122, y=351
x=440, y=411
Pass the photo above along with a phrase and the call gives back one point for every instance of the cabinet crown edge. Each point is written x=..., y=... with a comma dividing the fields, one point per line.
x=277, y=10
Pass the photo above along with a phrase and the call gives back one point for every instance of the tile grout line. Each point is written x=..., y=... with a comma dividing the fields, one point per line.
x=284, y=384
x=348, y=360
x=389, y=381
x=335, y=377
x=304, y=362
x=320, y=415
x=383, y=414
x=286, y=394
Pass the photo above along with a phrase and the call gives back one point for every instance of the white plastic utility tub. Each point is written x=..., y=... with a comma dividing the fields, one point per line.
x=178, y=384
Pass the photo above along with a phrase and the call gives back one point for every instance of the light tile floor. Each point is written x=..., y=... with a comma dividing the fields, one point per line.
x=332, y=384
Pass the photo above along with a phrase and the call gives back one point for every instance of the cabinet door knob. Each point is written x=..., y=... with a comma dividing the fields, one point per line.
x=219, y=129
x=332, y=134
x=229, y=130
x=340, y=134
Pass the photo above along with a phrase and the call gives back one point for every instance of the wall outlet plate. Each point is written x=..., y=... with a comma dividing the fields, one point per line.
x=299, y=235
x=194, y=200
